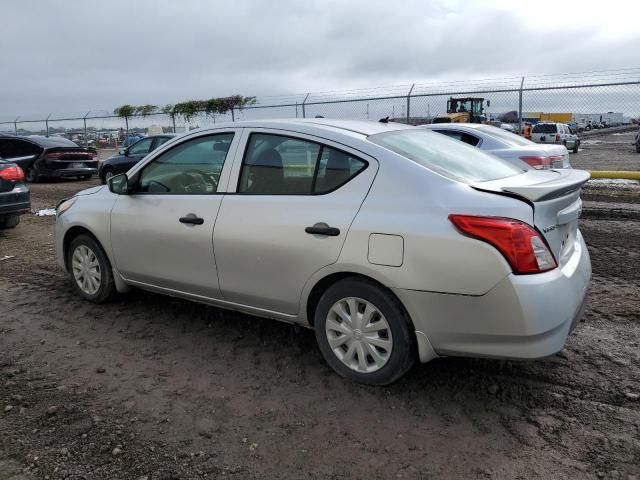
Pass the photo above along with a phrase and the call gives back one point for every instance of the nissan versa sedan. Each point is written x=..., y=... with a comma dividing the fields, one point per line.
x=506, y=145
x=393, y=243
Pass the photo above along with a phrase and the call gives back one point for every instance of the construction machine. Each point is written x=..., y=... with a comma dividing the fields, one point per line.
x=468, y=110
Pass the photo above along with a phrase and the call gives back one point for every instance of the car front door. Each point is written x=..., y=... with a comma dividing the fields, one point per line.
x=295, y=198
x=162, y=233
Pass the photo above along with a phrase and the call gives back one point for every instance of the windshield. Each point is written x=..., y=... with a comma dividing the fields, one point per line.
x=511, y=139
x=451, y=158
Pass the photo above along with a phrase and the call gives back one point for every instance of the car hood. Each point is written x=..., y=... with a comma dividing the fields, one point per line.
x=90, y=191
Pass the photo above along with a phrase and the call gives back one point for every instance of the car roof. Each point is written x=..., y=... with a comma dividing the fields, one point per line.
x=361, y=127
x=46, y=142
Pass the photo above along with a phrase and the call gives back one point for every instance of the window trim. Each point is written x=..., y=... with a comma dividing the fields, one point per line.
x=315, y=173
x=138, y=173
x=153, y=141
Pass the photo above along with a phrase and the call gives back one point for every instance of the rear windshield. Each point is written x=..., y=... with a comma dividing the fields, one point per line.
x=451, y=158
x=504, y=136
x=544, y=128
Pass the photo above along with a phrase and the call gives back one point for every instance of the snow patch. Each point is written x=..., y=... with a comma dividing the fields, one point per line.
x=47, y=212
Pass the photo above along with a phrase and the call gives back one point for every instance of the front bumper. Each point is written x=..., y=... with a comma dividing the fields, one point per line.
x=522, y=317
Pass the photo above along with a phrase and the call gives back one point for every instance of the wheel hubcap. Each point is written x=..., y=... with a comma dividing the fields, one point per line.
x=86, y=269
x=108, y=175
x=359, y=335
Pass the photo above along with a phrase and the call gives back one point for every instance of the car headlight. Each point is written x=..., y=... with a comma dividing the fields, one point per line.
x=65, y=205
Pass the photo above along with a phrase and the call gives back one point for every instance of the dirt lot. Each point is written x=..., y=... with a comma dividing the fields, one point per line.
x=607, y=152
x=158, y=388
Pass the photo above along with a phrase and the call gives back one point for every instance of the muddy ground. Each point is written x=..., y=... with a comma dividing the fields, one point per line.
x=158, y=388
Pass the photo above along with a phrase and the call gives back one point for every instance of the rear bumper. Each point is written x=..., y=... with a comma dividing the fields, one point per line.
x=522, y=317
x=68, y=172
x=15, y=202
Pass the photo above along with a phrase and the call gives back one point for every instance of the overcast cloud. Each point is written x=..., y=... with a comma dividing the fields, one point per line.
x=71, y=56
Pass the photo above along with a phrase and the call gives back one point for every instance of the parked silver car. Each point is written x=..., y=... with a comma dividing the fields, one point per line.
x=392, y=242
x=506, y=145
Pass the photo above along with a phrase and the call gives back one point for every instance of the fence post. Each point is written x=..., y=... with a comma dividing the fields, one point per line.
x=15, y=125
x=296, y=109
x=409, y=103
x=233, y=117
x=520, y=107
x=86, y=137
x=304, y=112
x=173, y=120
x=46, y=123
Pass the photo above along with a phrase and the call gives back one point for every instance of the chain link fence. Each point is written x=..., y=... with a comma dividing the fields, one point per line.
x=592, y=99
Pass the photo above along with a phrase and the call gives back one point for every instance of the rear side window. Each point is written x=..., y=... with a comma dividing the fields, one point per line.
x=11, y=148
x=447, y=157
x=279, y=165
x=544, y=128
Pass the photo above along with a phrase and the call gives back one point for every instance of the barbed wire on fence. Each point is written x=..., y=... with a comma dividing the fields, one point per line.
x=586, y=93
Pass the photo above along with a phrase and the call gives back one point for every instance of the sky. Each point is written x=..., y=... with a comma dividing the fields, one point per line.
x=73, y=56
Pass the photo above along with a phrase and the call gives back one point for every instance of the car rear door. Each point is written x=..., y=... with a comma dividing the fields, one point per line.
x=291, y=201
x=162, y=233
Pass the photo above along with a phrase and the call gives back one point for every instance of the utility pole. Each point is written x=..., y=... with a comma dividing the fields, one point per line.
x=46, y=123
x=520, y=107
x=409, y=102
x=86, y=138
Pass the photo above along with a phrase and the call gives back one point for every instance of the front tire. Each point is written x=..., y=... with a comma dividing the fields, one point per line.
x=364, y=333
x=575, y=147
x=31, y=176
x=90, y=269
x=106, y=175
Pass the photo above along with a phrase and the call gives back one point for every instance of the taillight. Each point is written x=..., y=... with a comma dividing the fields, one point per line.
x=557, y=137
x=538, y=162
x=12, y=173
x=519, y=243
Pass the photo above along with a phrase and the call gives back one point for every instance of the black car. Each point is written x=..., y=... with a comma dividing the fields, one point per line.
x=49, y=157
x=128, y=157
x=15, y=198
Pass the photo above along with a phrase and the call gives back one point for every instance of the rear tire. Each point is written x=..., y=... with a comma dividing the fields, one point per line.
x=90, y=269
x=575, y=147
x=377, y=345
x=9, y=222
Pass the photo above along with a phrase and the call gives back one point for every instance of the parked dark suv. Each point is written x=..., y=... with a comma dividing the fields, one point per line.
x=49, y=157
x=128, y=157
x=15, y=199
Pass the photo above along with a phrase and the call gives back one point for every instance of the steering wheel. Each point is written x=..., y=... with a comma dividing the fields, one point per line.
x=192, y=181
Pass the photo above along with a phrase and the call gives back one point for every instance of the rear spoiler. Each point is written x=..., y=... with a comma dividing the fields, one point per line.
x=538, y=185
x=72, y=149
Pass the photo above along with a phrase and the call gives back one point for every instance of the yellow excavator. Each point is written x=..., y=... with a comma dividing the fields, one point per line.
x=468, y=110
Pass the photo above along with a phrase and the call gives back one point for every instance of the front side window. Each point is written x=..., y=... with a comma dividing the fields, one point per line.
x=193, y=167
x=142, y=147
x=279, y=165
x=449, y=158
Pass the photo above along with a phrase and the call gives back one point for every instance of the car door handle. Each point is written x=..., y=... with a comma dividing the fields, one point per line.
x=323, y=229
x=192, y=219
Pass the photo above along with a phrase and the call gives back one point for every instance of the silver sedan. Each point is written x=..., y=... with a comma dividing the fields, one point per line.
x=506, y=145
x=393, y=243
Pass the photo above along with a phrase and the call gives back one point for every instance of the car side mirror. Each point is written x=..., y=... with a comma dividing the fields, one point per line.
x=119, y=184
x=122, y=151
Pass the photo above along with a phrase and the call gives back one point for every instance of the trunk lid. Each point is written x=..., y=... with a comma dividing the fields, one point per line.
x=555, y=198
